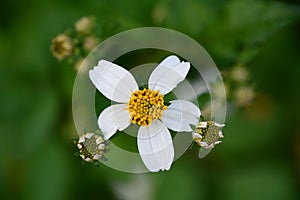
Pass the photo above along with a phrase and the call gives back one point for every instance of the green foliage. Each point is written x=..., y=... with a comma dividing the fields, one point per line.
x=257, y=159
x=245, y=25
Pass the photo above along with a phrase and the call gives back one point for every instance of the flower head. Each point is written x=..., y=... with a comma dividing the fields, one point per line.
x=89, y=43
x=146, y=108
x=239, y=73
x=208, y=134
x=62, y=46
x=85, y=25
x=244, y=95
x=91, y=147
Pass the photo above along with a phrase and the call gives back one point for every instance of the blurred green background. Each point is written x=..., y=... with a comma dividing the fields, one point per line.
x=260, y=155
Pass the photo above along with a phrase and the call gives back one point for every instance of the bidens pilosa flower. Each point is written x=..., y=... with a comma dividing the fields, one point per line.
x=85, y=25
x=62, y=46
x=207, y=135
x=91, y=147
x=146, y=108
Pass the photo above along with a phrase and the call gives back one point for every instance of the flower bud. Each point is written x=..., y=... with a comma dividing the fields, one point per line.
x=239, y=73
x=244, y=95
x=91, y=147
x=89, y=43
x=85, y=25
x=62, y=46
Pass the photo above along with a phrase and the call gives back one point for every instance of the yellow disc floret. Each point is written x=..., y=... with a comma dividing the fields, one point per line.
x=145, y=106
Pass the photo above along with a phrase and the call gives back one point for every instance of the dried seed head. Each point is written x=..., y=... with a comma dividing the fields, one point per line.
x=208, y=134
x=91, y=147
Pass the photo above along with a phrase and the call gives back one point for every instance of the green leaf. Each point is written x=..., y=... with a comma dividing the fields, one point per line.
x=49, y=174
x=266, y=180
x=253, y=21
x=245, y=25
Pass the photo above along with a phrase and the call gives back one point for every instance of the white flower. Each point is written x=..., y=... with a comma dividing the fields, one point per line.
x=146, y=108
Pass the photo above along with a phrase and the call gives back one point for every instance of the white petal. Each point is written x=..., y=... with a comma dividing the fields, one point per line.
x=88, y=160
x=97, y=157
x=168, y=74
x=180, y=115
x=217, y=142
x=219, y=125
x=202, y=125
x=155, y=146
x=81, y=139
x=101, y=146
x=203, y=144
x=197, y=136
x=89, y=135
x=221, y=134
x=99, y=140
x=113, y=81
x=113, y=118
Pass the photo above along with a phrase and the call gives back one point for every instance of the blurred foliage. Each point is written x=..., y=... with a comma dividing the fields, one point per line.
x=260, y=155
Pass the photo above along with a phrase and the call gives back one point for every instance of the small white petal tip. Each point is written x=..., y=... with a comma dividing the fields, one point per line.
x=221, y=134
x=96, y=157
x=99, y=140
x=89, y=135
x=219, y=125
x=202, y=125
x=197, y=135
x=218, y=142
x=81, y=139
x=203, y=144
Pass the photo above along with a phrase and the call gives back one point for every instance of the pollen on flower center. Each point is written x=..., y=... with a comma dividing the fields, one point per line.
x=146, y=106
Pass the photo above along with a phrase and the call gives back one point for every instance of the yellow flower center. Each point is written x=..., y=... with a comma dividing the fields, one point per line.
x=145, y=106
